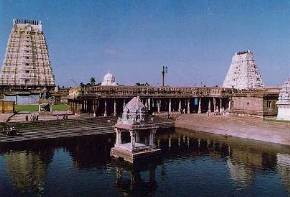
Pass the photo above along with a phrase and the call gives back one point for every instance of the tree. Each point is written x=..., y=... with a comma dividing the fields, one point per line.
x=92, y=80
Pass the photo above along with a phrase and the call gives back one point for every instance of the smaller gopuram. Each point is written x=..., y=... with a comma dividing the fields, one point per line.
x=243, y=72
x=283, y=102
x=142, y=130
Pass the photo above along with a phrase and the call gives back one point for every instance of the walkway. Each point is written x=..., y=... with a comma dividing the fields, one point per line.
x=243, y=127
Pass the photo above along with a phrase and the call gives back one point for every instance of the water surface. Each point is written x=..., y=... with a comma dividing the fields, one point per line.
x=192, y=164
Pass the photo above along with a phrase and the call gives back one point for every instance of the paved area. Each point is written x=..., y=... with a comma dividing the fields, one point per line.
x=5, y=117
x=22, y=117
x=244, y=127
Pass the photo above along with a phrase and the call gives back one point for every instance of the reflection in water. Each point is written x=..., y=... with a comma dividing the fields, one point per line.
x=241, y=174
x=138, y=180
x=243, y=162
x=283, y=166
x=27, y=169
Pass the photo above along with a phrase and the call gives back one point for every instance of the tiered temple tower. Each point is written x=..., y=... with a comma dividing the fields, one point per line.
x=243, y=72
x=26, y=62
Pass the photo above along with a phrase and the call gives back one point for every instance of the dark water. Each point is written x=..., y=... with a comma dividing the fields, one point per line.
x=192, y=164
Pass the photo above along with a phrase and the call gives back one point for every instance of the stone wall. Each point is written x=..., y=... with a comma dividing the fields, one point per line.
x=247, y=105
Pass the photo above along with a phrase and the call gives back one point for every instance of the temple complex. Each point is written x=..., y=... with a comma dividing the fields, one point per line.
x=136, y=122
x=284, y=102
x=109, y=80
x=243, y=72
x=110, y=100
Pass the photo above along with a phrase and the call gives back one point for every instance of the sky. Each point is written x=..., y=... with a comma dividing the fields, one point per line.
x=132, y=39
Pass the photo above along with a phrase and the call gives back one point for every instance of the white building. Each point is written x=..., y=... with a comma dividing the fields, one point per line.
x=243, y=72
x=109, y=80
x=283, y=102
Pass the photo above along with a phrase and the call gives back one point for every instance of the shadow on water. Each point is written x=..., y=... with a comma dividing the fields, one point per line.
x=27, y=163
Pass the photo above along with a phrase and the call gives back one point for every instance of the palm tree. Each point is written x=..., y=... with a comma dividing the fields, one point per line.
x=92, y=80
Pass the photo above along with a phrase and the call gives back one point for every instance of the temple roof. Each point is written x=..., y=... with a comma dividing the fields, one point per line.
x=134, y=105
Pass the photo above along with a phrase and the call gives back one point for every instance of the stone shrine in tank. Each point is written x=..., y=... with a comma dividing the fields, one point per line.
x=142, y=130
x=243, y=72
x=283, y=102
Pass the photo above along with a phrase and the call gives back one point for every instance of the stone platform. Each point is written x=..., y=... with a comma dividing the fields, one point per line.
x=127, y=155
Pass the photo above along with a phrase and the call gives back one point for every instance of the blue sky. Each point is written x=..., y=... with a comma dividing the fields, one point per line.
x=133, y=39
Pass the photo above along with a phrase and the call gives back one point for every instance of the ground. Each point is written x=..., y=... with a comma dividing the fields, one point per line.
x=244, y=127
x=34, y=108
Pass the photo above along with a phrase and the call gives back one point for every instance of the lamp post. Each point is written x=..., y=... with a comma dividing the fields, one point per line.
x=163, y=72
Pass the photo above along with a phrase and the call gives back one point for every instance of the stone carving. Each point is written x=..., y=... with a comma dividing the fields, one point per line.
x=26, y=61
x=134, y=112
x=243, y=72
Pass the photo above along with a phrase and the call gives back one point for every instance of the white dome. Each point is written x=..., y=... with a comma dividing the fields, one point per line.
x=109, y=80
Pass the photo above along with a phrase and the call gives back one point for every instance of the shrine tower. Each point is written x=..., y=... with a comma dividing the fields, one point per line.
x=243, y=72
x=26, y=63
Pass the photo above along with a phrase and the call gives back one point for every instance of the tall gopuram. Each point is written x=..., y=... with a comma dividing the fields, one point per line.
x=243, y=72
x=283, y=102
x=26, y=64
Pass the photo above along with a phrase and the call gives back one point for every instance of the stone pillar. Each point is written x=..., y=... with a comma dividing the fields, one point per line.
x=209, y=105
x=214, y=104
x=149, y=103
x=221, y=105
x=188, y=142
x=169, y=106
x=199, y=106
x=118, y=137
x=151, y=137
x=169, y=142
x=230, y=105
x=105, y=113
x=132, y=135
x=115, y=107
x=158, y=105
x=179, y=106
x=179, y=141
x=188, y=106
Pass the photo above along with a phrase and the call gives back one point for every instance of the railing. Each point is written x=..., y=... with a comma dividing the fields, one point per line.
x=106, y=91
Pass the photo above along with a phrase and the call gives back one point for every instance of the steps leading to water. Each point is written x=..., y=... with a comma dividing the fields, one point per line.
x=53, y=129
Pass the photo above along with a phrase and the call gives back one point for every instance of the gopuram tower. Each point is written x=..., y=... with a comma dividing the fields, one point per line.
x=26, y=64
x=243, y=72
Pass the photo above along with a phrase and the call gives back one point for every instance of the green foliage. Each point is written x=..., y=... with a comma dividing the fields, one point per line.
x=27, y=108
x=92, y=80
x=34, y=108
x=60, y=107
